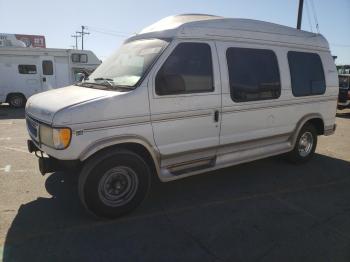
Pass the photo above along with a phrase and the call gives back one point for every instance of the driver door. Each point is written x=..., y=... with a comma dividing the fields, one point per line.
x=185, y=100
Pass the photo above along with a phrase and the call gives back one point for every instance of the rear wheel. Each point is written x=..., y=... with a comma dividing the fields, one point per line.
x=305, y=145
x=17, y=100
x=114, y=183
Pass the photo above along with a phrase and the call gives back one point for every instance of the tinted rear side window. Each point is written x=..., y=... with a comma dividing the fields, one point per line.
x=79, y=58
x=306, y=73
x=27, y=69
x=188, y=69
x=253, y=74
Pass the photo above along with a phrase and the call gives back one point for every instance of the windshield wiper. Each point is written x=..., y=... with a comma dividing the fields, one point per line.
x=105, y=86
x=102, y=78
x=92, y=85
x=124, y=87
x=109, y=81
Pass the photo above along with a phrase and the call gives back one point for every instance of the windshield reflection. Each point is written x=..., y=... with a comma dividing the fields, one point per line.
x=128, y=64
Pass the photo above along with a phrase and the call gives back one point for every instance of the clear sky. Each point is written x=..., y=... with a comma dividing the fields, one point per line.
x=58, y=20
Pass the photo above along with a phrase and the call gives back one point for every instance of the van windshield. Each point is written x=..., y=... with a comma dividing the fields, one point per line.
x=127, y=65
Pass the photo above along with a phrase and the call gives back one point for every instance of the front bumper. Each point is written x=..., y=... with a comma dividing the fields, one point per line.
x=50, y=164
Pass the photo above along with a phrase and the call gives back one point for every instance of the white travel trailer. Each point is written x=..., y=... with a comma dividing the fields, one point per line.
x=189, y=94
x=28, y=71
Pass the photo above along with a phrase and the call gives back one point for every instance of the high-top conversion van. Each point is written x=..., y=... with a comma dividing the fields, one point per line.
x=187, y=95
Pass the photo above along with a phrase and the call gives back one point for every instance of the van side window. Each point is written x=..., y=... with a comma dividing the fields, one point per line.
x=253, y=74
x=47, y=67
x=79, y=58
x=306, y=73
x=188, y=69
x=27, y=69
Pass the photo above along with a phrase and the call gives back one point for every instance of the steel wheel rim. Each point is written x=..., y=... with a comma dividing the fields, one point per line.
x=306, y=142
x=118, y=186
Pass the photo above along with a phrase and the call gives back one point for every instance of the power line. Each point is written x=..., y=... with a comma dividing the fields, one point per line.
x=340, y=45
x=308, y=14
x=108, y=31
x=315, y=15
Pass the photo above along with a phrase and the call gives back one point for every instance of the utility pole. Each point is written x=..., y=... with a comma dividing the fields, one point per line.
x=82, y=33
x=300, y=13
x=76, y=40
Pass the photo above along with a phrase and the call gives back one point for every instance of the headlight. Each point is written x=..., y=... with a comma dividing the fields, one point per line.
x=58, y=138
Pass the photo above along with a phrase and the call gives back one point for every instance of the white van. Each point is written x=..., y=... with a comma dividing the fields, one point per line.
x=189, y=94
x=28, y=71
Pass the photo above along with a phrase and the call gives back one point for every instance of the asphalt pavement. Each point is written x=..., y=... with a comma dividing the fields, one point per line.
x=267, y=210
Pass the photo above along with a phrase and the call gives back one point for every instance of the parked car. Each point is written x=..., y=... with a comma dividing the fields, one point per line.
x=187, y=95
x=344, y=91
x=28, y=71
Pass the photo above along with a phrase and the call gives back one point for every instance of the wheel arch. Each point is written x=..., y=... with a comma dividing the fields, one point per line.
x=8, y=96
x=136, y=144
x=315, y=119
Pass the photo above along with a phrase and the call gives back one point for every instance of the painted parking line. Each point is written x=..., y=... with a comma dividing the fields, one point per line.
x=12, y=138
x=19, y=171
x=6, y=123
x=6, y=169
x=9, y=169
x=22, y=150
x=1, y=253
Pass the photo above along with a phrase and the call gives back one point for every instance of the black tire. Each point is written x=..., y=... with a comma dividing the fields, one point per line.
x=303, y=152
x=99, y=192
x=17, y=100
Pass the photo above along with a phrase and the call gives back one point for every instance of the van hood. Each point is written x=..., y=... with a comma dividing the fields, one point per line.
x=45, y=105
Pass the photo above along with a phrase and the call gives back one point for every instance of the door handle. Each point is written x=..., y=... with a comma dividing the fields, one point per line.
x=216, y=115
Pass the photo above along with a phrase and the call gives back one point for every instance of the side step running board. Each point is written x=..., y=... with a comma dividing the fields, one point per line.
x=187, y=167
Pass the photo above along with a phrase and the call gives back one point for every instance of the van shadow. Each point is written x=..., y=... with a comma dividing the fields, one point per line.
x=59, y=229
x=6, y=112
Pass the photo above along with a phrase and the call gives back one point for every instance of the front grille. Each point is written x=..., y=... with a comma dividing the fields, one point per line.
x=33, y=128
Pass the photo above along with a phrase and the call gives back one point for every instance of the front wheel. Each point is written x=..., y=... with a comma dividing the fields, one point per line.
x=305, y=145
x=114, y=183
x=17, y=101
